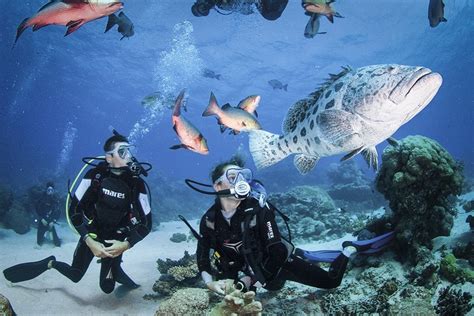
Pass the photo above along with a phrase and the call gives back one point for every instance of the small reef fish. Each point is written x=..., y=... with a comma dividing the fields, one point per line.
x=210, y=74
x=70, y=13
x=157, y=99
x=436, y=12
x=351, y=112
x=249, y=104
x=125, y=25
x=276, y=84
x=316, y=8
x=189, y=136
x=231, y=117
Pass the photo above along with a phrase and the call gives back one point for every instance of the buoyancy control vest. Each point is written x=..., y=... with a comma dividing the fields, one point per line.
x=113, y=203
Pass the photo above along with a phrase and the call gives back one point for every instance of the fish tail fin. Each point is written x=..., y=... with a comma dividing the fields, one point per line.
x=177, y=103
x=112, y=20
x=265, y=148
x=285, y=87
x=218, y=77
x=21, y=28
x=338, y=15
x=213, y=108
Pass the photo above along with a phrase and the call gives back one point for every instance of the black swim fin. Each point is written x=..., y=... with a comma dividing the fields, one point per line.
x=27, y=271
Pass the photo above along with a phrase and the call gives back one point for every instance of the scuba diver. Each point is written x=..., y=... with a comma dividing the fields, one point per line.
x=240, y=228
x=47, y=209
x=269, y=9
x=111, y=212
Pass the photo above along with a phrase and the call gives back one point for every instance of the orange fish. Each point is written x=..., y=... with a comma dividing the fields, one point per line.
x=189, y=136
x=70, y=13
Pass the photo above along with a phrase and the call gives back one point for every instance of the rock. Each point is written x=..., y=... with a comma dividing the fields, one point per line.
x=5, y=307
x=178, y=237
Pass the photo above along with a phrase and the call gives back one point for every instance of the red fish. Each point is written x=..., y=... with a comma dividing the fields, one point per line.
x=70, y=13
x=190, y=137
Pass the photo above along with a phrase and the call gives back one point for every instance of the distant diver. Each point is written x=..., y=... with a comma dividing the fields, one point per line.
x=269, y=9
x=248, y=248
x=111, y=212
x=47, y=209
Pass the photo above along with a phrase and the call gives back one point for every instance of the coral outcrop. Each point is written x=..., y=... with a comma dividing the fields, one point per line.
x=185, y=302
x=420, y=180
x=5, y=307
x=312, y=213
x=177, y=274
x=453, y=302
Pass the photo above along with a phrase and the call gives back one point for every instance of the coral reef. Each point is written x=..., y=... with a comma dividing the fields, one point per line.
x=312, y=213
x=450, y=269
x=465, y=251
x=237, y=303
x=420, y=179
x=17, y=218
x=185, y=302
x=351, y=189
x=6, y=200
x=468, y=206
x=5, y=307
x=453, y=302
x=177, y=274
x=178, y=237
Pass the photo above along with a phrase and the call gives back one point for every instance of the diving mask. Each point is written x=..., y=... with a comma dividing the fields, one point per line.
x=235, y=175
x=49, y=190
x=123, y=150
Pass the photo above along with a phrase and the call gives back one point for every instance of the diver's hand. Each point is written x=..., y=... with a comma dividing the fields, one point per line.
x=51, y=224
x=44, y=222
x=117, y=248
x=97, y=248
x=220, y=287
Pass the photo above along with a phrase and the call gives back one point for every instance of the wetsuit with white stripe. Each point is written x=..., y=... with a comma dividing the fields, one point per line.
x=97, y=209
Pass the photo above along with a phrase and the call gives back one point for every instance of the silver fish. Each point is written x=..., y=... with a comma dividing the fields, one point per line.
x=208, y=73
x=231, y=117
x=276, y=84
x=350, y=113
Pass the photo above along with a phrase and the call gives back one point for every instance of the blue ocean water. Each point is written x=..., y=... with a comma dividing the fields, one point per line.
x=59, y=95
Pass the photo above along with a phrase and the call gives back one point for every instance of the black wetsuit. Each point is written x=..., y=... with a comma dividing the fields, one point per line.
x=47, y=208
x=108, y=206
x=270, y=255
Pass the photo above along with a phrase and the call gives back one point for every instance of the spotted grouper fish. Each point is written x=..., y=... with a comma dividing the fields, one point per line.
x=350, y=113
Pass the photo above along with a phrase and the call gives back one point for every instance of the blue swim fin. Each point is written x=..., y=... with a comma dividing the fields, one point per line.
x=318, y=255
x=371, y=246
x=366, y=247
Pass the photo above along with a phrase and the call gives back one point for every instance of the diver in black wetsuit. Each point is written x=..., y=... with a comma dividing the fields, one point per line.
x=269, y=9
x=247, y=244
x=47, y=209
x=110, y=210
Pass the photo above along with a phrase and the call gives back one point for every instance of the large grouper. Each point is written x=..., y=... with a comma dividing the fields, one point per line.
x=350, y=113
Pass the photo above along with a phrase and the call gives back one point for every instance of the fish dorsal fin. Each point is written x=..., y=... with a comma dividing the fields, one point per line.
x=300, y=108
x=296, y=113
x=304, y=163
x=48, y=4
x=333, y=77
